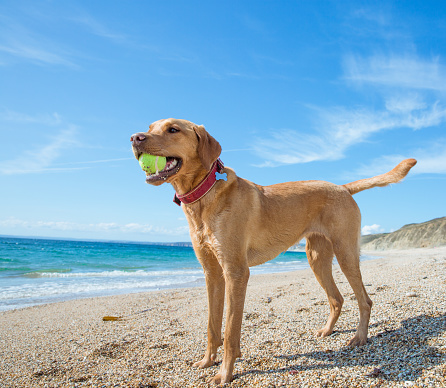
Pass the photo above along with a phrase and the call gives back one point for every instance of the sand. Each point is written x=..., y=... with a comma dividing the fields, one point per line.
x=68, y=345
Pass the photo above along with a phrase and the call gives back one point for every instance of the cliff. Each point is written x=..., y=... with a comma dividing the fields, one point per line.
x=424, y=235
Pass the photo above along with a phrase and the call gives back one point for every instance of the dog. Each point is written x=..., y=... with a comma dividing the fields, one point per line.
x=235, y=224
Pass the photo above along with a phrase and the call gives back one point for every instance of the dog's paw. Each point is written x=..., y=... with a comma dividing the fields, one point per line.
x=324, y=332
x=206, y=362
x=357, y=340
x=220, y=379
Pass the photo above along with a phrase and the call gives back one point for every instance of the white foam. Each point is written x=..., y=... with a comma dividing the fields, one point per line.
x=79, y=286
x=112, y=274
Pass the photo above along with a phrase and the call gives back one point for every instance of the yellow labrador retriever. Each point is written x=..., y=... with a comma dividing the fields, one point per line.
x=235, y=224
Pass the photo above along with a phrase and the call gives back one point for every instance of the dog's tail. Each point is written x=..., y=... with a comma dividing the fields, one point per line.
x=393, y=176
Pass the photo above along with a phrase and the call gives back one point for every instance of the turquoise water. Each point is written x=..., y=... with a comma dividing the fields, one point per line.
x=35, y=271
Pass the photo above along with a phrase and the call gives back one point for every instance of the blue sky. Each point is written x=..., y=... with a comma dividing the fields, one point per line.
x=293, y=90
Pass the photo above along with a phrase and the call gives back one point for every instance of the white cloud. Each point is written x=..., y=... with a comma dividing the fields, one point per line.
x=18, y=117
x=39, y=158
x=405, y=103
x=371, y=229
x=288, y=147
x=36, y=54
x=430, y=160
x=396, y=71
x=95, y=161
x=412, y=99
x=432, y=163
x=374, y=15
x=99, y=29
x=44, y=158
x=19, y=41
x=104, y=227
x=340, y=128
x=34, y=42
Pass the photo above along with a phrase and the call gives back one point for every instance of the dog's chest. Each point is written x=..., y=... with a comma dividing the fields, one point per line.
x=203, y=233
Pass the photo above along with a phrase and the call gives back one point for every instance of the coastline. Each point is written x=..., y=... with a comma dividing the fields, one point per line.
x=36, y=271
x=67, y=344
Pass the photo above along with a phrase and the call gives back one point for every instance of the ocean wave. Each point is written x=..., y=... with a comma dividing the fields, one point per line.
x=288, y=262
x=111, y=274
x=51, y=289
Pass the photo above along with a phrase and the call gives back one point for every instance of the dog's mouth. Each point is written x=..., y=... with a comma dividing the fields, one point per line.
x=171, y=168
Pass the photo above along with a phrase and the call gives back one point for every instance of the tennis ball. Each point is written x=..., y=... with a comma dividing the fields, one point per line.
x=152, y=163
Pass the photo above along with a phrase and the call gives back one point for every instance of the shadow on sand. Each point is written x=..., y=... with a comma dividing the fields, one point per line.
x=398, y=355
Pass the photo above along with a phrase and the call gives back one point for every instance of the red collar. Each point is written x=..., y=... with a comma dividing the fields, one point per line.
x=203, y=188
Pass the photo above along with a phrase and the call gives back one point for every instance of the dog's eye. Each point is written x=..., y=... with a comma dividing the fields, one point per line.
x=173, y=130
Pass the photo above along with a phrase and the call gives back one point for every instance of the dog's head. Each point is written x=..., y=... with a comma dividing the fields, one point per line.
x=187, y=146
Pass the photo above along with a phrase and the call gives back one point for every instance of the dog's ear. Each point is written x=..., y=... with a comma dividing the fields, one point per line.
x=209, y=149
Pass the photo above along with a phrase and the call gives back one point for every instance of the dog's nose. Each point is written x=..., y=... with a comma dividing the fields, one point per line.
x=137, y=138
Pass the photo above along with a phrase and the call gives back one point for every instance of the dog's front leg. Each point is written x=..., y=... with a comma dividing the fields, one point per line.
x=215, y=286
x=236, y=279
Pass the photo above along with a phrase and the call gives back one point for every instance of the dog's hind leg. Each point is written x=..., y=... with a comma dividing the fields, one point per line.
x=320, y=257
x=348, y=259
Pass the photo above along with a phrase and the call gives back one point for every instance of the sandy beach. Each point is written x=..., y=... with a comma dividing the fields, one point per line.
x=68, y=344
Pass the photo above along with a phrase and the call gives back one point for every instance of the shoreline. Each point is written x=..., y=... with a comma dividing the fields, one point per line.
x=84, y=269
x=67, y=344
x=199, y=282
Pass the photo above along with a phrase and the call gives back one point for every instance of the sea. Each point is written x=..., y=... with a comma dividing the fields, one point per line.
x=36, y=271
